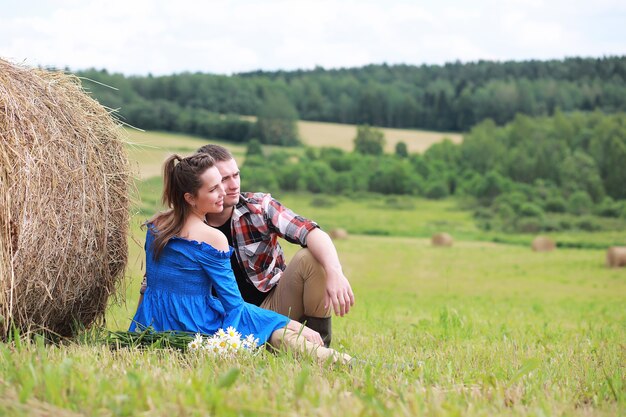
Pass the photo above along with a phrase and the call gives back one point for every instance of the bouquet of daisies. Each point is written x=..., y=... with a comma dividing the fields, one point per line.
x=224, y=343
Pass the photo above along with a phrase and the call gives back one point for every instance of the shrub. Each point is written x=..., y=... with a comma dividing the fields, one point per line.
x=588, y=224
x=260, y=178
x=505, y=212
x=530, y=210
x=290, y=178
x=608, y=208
x=579, y=203
x=254, y=148
x=514, y=199
x=565, y=224
x=556, y=205
x=318, y=177
x=551, y=225
x=482, y=213
x=528, y=225
x=436, y=190
x=488, y=187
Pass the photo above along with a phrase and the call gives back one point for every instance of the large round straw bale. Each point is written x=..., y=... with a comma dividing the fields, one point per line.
x=338, y=234
x=442, y=239
x=543, y=244
x=64, y=202
x=616, y=256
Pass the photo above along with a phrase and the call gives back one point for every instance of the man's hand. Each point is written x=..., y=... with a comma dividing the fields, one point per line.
x=338, y=292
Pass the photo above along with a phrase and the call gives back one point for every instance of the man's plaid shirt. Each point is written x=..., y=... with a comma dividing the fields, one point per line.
x=257, y=222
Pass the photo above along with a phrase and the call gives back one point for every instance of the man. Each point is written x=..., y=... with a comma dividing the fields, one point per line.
x=311, y=286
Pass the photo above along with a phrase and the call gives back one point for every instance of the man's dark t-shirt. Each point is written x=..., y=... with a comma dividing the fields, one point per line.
x=248, y=291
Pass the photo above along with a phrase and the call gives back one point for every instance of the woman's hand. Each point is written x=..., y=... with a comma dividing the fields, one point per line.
x=309, y=334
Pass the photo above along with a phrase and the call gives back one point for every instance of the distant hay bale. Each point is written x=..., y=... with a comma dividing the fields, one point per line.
x=338, y=234
x=616, y=256
x=442, y=239
x=543, y=244
x=64, y=202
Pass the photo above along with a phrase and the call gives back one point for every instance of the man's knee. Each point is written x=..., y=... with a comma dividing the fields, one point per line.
x=304, y=261
x=313, y=279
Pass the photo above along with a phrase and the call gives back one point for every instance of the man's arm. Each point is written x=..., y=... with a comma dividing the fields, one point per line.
x=338, y=290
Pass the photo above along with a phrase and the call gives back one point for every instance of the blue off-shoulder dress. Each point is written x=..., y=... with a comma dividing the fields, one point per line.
x=179, y=293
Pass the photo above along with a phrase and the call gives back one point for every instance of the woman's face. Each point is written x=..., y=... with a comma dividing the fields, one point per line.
x=210, y=196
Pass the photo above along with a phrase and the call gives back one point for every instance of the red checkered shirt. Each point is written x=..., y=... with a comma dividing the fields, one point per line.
x=257, y=222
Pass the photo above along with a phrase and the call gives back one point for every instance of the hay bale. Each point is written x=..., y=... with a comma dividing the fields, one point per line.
x=543, y=244
x=442, y=239
x=338, y=234
x=64, y=202
x=616, y=256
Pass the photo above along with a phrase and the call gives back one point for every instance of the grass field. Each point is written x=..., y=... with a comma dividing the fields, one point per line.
x=477, y=329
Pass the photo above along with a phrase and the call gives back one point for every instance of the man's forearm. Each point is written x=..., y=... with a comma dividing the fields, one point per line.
x=323, y=250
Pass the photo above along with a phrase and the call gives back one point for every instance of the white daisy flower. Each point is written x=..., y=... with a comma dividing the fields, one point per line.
x=234, y=344
x=232, y=332
x=193, y=345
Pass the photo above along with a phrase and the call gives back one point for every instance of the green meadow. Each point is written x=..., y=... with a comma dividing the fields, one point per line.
x=479, y=328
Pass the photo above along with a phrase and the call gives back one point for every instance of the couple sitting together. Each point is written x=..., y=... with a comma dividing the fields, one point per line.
x=213, y=260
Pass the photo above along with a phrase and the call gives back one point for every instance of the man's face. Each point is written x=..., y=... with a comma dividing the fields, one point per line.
x=230, y=181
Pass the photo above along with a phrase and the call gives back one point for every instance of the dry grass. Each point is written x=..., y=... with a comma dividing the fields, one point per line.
x=616, y=256
x=442, y=239
x=543, y=244
x=64, y=202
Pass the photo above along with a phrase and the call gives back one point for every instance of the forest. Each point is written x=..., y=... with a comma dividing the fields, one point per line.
x=450, y=97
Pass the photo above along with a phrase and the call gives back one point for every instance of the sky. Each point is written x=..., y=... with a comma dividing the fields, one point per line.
x=140, y=37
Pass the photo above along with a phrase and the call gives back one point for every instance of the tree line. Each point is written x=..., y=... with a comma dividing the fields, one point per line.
x=450, y=97
x=517, y=175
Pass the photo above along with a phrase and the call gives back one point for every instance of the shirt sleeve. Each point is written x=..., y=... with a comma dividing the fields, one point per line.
x=287, y=224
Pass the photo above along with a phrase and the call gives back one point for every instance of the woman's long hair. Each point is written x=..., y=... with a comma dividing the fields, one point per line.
x=180, y=176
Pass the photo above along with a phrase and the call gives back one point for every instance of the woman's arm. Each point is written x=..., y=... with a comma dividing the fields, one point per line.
x=309, y=334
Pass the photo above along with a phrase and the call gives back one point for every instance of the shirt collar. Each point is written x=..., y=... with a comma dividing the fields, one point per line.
x=244, y=206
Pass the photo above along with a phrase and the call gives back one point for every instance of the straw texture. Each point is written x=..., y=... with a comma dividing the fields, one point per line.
x=64, y=202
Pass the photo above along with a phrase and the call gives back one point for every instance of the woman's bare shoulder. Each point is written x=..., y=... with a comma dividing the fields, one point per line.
x=212, y=236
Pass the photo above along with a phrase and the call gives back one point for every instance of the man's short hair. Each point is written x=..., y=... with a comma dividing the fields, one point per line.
x=219, y=153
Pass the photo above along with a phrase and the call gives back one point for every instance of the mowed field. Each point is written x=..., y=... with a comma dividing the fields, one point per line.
x=342, y=136
x=476, y=329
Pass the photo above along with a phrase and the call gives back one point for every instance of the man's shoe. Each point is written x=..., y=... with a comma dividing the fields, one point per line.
x=322, y=325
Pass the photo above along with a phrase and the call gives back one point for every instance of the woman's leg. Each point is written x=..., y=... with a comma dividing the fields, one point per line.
x=287, y=339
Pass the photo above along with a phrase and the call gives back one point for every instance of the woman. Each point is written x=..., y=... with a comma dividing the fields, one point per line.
x=186, y=259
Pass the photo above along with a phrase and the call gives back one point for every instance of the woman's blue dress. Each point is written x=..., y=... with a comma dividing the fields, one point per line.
x=179, y=293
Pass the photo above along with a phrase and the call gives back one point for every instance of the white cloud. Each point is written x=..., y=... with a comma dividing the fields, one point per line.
x=142, y=36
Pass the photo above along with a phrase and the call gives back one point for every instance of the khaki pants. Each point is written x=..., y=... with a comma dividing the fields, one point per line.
x=301, y=289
